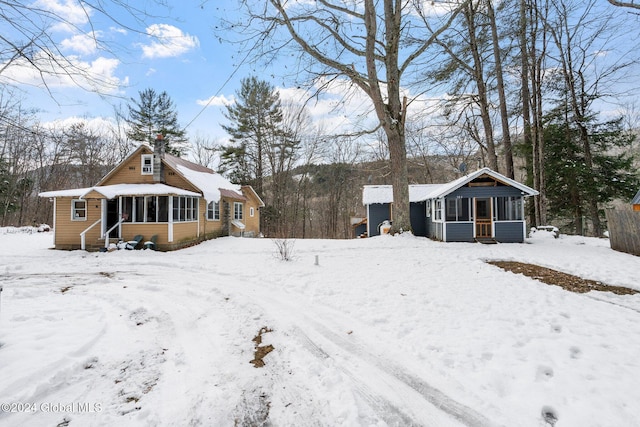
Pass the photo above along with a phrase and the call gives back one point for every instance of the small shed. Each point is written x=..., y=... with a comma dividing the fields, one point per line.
x=636, y=202
x=481, y=206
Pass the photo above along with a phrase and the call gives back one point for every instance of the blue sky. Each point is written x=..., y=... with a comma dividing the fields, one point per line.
x=173, y=49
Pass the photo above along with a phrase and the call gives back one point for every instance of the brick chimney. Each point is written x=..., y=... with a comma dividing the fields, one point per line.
x=158, y=155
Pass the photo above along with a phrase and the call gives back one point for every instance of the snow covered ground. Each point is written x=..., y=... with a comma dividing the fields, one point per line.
x=383, y=331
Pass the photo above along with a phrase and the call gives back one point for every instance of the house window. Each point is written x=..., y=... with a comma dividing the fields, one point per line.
x=184, y=208
x=428, y=209
x=127, y=209
x=147, y=164
x=237, y=211
x=163, y=209
x=145, y=209
x=78, y=210
x=139, y=209
x=509, y=208
x=213, y=211
x=458, y=209
x=438, y=210
x=150, y=203
x=252, y=212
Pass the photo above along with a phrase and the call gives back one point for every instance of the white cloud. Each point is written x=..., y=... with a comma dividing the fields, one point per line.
x=70, y=10
x=55, y=71
x=216, y=101
x=168, y=41
x=96, y=124
x=81, y=43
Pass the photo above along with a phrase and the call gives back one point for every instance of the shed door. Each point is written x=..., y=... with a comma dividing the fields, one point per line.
x=483, y=217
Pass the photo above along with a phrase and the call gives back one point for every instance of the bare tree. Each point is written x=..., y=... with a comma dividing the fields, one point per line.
x=27, y=40
x=373, y=44
x=205, y=151
x=630, y=4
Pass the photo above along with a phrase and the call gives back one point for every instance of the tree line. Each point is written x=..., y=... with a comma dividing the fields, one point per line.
x=516, y=86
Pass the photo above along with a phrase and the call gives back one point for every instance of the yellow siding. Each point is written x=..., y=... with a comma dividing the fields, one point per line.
x=68, y=231
x=147, y=230
x=184, y=233
x=252, y=224
x=636, y=207
x=130, y=172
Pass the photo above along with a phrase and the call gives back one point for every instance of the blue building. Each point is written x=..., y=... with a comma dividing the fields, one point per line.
x=480, y=206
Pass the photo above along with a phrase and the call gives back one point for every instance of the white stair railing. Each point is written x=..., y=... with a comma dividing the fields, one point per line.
x=106, y=234
x=83, y=234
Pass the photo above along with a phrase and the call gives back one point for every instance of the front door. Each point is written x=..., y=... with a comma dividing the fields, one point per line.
x=113, y=216
x=483, y=218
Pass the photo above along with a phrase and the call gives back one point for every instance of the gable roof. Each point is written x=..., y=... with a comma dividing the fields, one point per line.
x=452, y=186
x=418, y=193
x=204, y=179
x=636, y=199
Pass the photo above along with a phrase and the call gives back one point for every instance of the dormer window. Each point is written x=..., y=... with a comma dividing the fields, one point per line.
x=147, y=164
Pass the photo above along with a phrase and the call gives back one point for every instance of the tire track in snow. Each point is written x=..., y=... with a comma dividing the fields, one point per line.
x=406, y=398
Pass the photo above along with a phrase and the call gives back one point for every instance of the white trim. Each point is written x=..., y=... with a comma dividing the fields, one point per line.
x=73, y=210
x=252, y=211
x=241, y=210
x=170, y=222
x=238, y=224
x=368, y=222
x=142, y=164
x=55, y=212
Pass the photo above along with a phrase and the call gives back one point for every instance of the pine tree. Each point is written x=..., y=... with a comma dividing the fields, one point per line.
x=255, y=127
x=572, y=186
x=155, y=114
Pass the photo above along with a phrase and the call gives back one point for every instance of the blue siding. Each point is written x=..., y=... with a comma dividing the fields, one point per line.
x=509, y=232
x=378, y=212
x=459, y=231
x=437, y=230
x=418, y=215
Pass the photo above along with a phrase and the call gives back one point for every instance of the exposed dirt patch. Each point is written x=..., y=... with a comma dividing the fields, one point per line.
x=566, y=281
x=261, y=351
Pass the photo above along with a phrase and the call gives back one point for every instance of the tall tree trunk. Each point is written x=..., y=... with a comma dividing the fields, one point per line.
x=506, y=134
x=536, y=66
x=390, y=113
x=482, y=100
x=526, y=100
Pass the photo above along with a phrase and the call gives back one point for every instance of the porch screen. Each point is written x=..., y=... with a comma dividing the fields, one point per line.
x=509, y=208
x=145, y=209
x=458, y=209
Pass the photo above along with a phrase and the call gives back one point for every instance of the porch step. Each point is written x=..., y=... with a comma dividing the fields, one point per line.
x=486, y=240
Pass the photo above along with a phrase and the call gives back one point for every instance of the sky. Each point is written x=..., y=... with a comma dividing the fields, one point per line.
x=169, y=46
x=384, y=331
x=172, y=48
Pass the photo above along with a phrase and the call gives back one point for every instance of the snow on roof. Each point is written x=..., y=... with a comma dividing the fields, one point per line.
x=74, y=192
x=208, y=182
x=111, y=191
x=384, y=193
x=636, y=200
x=418, y=193
x=454, y=185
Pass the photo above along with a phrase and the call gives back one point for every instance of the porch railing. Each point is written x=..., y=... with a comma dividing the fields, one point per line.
x=106, y=234
x=83, y=245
